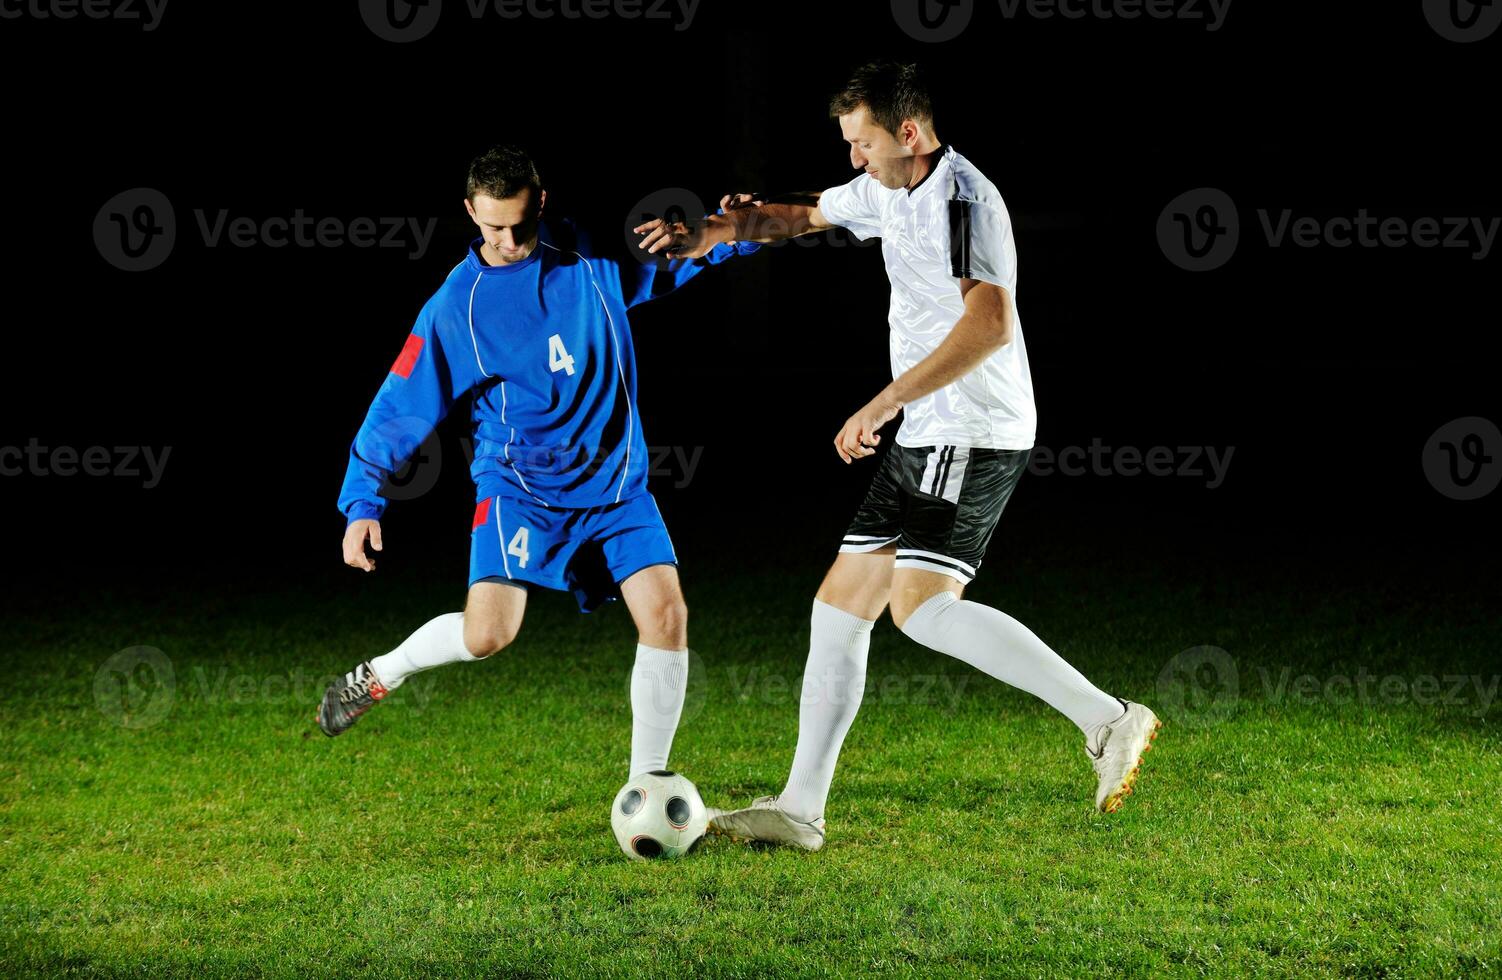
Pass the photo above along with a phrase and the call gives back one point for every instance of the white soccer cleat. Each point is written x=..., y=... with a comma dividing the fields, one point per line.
x=1122, y=744
x=765, y=821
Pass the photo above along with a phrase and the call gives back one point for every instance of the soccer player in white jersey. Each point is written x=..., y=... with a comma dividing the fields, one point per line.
x=960, y=376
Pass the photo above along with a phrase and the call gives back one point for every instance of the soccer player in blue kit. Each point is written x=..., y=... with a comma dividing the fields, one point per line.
x=533, y=324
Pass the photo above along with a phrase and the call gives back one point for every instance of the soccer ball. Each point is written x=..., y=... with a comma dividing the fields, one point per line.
x=658, y=814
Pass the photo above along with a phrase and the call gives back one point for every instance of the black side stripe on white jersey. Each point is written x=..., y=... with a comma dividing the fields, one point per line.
x=959, y=239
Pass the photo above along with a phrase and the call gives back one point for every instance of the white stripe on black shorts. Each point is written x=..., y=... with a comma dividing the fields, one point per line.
x=939, y=504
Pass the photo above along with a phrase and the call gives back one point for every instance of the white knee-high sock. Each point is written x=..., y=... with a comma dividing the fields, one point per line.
x=990, y=640
x=659, y=680
x=833, y=682
x=438, y=641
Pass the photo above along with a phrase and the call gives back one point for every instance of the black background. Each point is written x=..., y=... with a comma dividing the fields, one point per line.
x=1326, y=369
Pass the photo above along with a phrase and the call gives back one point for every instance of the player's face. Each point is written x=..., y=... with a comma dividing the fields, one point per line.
x=508, y=225
x=888, y=158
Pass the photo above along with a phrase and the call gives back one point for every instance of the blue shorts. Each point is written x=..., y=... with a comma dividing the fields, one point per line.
x=588, y=551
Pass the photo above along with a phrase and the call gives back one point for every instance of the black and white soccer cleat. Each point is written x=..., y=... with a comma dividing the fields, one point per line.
x=347, y=699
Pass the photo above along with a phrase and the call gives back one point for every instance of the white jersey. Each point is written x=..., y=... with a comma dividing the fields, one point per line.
x=950, y=227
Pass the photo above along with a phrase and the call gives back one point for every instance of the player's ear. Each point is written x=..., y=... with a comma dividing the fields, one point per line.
x=542, y=200
x=470, y=208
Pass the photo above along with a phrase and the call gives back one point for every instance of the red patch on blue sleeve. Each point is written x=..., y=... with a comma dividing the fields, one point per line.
x=482, y=513
x=407, y=360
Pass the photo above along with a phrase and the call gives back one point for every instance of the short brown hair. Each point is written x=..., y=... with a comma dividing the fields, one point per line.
x=891, y=92
x=501, y=172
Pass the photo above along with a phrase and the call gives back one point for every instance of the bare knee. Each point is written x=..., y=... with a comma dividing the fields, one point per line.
x=485, y=637
x=903, y=608
x=911, y=588
x=492, y=616
x=665, y=625
x=859, y=584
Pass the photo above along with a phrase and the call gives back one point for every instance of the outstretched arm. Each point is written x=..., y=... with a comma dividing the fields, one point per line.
x=744, y=223
x=659, y=275
x=985, y=328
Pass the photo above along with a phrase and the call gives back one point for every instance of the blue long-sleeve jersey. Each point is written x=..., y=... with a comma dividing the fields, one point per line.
x=545, y=348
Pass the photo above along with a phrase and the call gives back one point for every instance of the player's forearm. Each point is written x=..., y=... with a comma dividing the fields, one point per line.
x=767, y=223
x=360, y=497
x=975, y=337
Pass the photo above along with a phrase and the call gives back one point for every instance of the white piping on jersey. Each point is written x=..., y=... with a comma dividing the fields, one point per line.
x=500, y=534
x=619, y=370
x=507, y=450
x=472, y=339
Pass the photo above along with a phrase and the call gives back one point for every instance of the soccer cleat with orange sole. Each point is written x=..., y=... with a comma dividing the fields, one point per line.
x=1118, y=762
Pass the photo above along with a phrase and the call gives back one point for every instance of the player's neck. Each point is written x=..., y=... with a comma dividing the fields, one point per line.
x=925, y=159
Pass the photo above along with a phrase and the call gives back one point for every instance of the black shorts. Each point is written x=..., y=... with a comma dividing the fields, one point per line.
x=940, y=504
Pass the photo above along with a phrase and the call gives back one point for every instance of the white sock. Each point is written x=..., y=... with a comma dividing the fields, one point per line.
x=990, y=640
x=833, y=682
x=659, y=680
x=438, y=641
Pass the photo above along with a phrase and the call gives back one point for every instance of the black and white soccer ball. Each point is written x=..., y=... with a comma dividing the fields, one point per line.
x=658, y=815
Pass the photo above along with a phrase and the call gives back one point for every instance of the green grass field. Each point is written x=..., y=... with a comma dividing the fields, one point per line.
x=203, y=827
